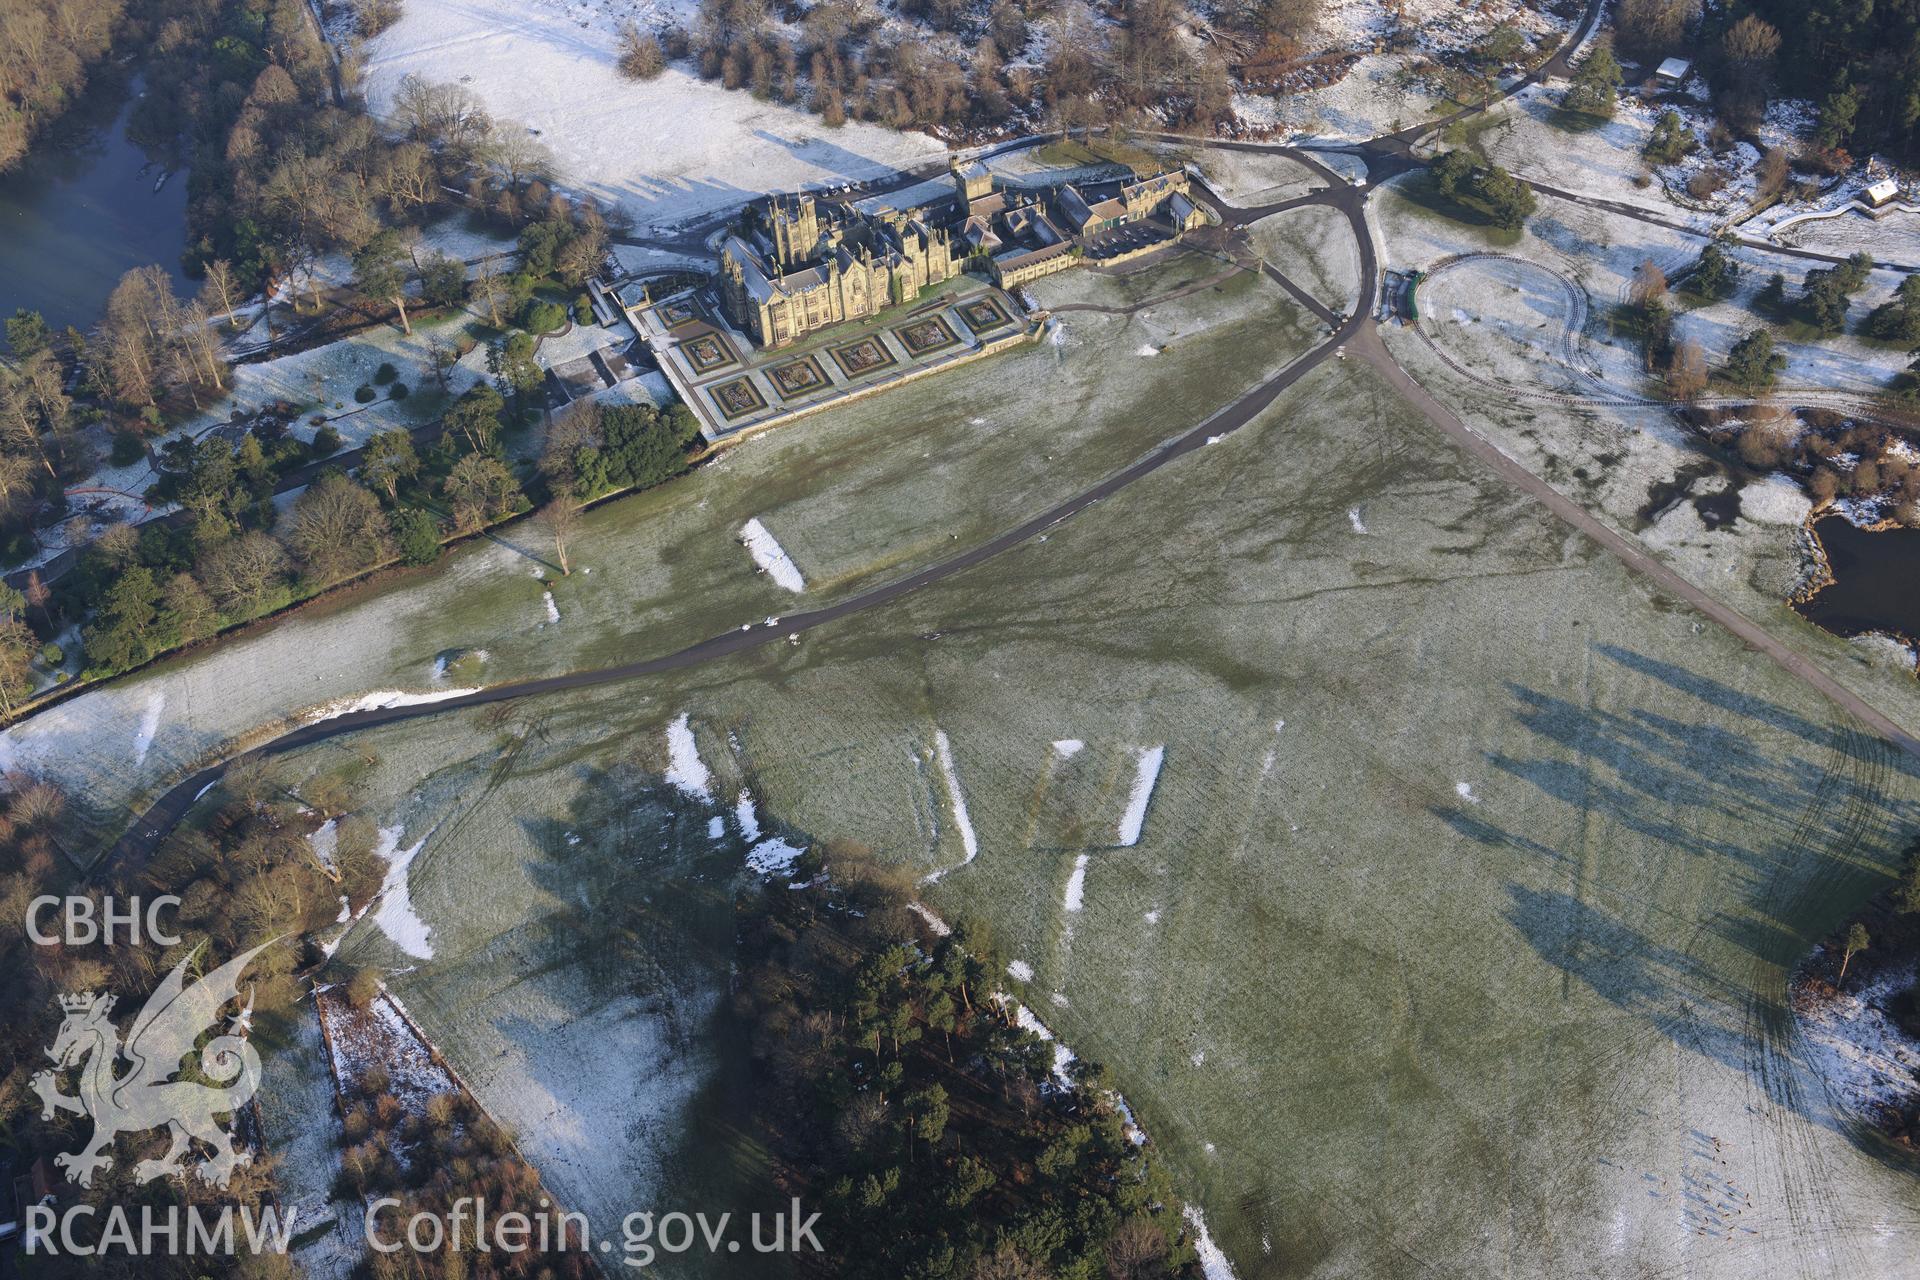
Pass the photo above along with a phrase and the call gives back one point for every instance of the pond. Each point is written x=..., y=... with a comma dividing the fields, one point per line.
x=86, y=206
x=1876, y=584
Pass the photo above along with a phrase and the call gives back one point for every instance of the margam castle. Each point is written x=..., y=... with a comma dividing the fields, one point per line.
x=802, y=262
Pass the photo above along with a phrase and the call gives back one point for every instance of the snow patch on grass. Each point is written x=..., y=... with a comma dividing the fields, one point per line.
x=1146, y=773
x=1857, y=1046
x=1353, y=518
x=323, y=840
x=940, y=927
x=149, y=726
x=1062, y=1056
x=771, y=556
x=551, y=67
x=395, y=916
x=1076, y=885
x=1885, y=650
x=1020, y=970
x=685, y=769
x=1465, y=791
x=1776, y=499
x=1068, y=748
x=716, y=827
x=458, y=661
x=943, y=751
x=1213, y=1263
x=553, y=610
x=773, y=857
x=745, y=818
x=1063, y=1059
x=384, y=698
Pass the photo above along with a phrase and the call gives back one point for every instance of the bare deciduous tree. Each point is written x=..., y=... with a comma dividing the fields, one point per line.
x=16, y=662
x=337, y=527
x=1857, y=941
x=33, y=408
x=575, y=427
x=410, y=180
x=1748, y=49
x=47, y=48
x=16, y=478
x=1649, y=285
x=480, y=487
x=515, y=155
x=444, y=116
x=1687, y=370
x=243, y=572
x=1137, y=1250
x=562, y=518
x=1655, y=26
x=218, y=290
x=641, y=55
x=1007, y=1263
x=488, y=288
x=1770, y=178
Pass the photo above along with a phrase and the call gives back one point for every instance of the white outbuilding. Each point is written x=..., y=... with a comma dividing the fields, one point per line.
x=1672, y=71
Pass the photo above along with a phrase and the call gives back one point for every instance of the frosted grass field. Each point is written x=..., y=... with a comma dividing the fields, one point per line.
x=861, y=494
x=1456, y=929
x=1893, y=237
x=1531, y=325
x=302, y=1130
x=1428, y=881
x=1314, y=248
x=1614, y=459
x=540, y=65
x=1251, y=178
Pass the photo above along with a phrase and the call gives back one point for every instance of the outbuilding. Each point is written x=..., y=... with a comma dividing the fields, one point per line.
x=1672, y=71
x=1881, y=192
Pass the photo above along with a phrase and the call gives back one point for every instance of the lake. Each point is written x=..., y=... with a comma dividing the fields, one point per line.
x=86, y=206
x=1876, y=584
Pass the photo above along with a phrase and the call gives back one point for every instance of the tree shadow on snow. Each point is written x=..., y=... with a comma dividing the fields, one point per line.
x=1800, y=833
x=642, y=932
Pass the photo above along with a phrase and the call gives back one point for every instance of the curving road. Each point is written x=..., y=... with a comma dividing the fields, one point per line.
x=138, y=843
x=1354, y=333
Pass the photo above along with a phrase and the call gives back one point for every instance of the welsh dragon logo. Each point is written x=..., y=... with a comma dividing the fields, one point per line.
x=146, y=1095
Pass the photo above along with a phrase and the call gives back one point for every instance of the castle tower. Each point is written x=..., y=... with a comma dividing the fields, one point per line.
x=733, y=291
x=795, y=232
x=971, y=182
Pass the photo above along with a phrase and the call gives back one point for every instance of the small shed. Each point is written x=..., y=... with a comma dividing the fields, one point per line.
x=1881, y=192
x=1672, y=71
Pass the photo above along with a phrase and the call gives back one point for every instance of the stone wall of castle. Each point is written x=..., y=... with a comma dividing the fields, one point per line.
x=851, y=286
